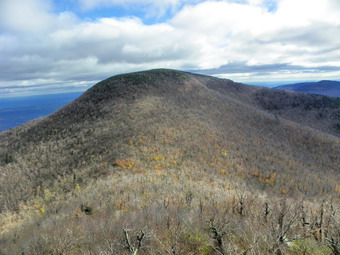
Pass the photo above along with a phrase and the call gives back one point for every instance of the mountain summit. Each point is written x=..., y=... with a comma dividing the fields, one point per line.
x=166, y=152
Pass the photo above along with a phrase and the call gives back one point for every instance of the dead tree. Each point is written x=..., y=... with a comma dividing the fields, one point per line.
x=332, y=238
x=217, y=235
x=318, y=225
x=241, y=208
x=133, y=248
x=266, y=212
x=282, y=226
x=334, y=243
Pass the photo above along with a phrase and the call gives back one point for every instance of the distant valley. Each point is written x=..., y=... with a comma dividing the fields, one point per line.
x=15, y=111
x=327, y=88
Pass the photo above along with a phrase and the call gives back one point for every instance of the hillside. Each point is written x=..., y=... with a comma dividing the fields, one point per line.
x=326, y=88
x=167, y=162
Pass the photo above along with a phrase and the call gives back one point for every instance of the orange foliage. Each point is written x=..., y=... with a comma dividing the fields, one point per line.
x=337, y=188
x=270, y=179
x=283, y=191
x=124, y=163
x=157, y=158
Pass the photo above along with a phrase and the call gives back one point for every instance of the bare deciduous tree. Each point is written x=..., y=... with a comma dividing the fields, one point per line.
x=133, y=248
x=218, y=233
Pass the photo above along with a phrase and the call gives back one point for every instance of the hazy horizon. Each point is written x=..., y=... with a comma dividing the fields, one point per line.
x=55, y=91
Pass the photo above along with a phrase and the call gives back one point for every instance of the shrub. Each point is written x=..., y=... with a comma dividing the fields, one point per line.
x=8, y=158
x=86, y=209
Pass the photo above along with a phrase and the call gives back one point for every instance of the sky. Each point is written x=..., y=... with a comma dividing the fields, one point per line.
x=49, y=46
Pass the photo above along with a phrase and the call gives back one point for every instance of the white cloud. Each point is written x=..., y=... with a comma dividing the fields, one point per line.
x=294, y=34
x=29, y=16
x=281, y=76
x=37, y=45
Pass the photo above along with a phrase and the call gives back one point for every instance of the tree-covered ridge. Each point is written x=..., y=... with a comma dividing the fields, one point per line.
x=166, y=162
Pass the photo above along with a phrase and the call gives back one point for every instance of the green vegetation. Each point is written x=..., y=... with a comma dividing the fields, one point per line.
x=8, y=158
x=165, y=162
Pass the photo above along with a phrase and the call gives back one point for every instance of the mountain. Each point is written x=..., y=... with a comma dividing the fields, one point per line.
x=168, y=162
x=327, y=88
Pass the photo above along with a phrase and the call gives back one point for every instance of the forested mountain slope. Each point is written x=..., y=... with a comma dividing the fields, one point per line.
x=172, y=154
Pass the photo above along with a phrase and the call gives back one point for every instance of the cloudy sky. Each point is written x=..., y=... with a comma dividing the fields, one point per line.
x=67, y=45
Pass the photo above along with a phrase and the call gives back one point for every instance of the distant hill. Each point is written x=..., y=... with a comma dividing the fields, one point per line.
x=327, y=88
x=169, y=162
